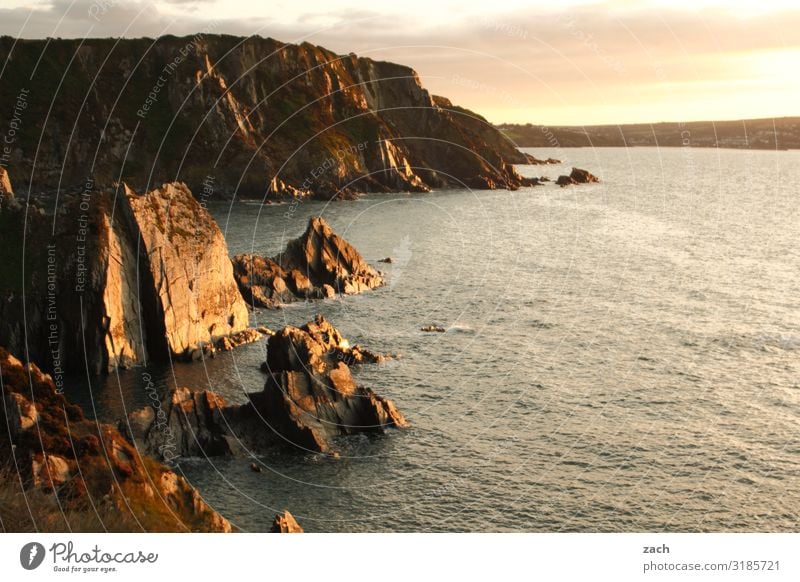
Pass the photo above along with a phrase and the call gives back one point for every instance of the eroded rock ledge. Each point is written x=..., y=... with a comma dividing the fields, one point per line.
x=53, y=447
x=317, y=265
x=309, y=398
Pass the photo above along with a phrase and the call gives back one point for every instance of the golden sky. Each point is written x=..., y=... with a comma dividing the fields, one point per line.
x=575, y=62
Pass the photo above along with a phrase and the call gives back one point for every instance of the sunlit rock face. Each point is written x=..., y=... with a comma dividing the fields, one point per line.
x=115, y=278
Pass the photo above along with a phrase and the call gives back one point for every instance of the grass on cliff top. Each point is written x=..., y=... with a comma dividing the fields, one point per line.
x=37, y=511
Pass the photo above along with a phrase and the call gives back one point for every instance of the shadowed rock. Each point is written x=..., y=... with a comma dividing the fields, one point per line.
x=317, y=265
x=56, y=449
x=577, y=176
x=309, y=398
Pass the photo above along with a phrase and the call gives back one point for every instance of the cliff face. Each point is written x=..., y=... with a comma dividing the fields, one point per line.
x=52, y=447
x=184, y=251
x=228, y=114
x=115, y=278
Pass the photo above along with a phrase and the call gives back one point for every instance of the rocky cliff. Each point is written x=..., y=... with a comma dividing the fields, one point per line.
x=318, y=264
x=189, y=271
x=114, y=278
x=228, y=114
x=50, y=446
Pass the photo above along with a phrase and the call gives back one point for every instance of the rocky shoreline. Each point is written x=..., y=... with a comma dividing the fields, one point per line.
x=122, y=273
x=181, y=298
x=82, y=463
x=132, y=278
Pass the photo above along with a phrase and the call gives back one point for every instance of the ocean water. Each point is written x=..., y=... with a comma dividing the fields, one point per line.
x=623, y=356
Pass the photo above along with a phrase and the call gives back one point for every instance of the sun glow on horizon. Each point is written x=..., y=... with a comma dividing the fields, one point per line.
x=576, y=62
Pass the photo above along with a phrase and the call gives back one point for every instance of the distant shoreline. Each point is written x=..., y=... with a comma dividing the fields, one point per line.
x=665, y=146
x=748, y=134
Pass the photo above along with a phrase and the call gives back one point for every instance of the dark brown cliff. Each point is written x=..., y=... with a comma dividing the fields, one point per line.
x=227, y=114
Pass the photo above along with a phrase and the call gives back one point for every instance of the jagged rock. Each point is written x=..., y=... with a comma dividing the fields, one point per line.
x=534, y=161
x=582, y=176
x=316, y=265
x=188, y=424
x=577, y=176
x=309, y=398
x=57, y=449
x=124, y=278
x=261, y=281
x=332, y=126
x=433, y=328
x=49, y=471
x=285, y=523
x=247, y=336
x=310, y=395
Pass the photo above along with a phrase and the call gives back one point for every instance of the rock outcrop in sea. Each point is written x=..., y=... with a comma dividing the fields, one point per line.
x=53, y=448
x=532, y=160
x=309, y=398
x=285, y=523
x=317, y=265
x=245, y=115
x=577, y=176
x=114, y=279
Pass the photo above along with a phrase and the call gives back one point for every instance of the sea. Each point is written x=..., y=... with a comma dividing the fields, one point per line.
x=618, y=357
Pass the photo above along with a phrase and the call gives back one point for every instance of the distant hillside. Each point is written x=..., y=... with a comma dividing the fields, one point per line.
x=782, y=133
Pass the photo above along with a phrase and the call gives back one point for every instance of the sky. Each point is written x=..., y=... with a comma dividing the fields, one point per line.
x=562, y=62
